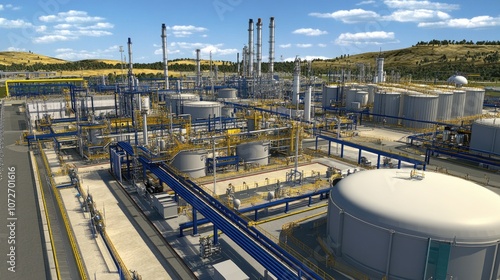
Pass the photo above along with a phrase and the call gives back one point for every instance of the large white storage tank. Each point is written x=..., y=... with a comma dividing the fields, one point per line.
x=445, y=103
x=227, y=93
x=177, y=101
x=387, y=103
x=254, y=152
x=372, y=88
x=350, y=96
x=361, y=97
x=485, y=135
x=202, y=109
x=330, y=95
x=474, y=99
x=420, y=107
x=191, y=162
x=457, y=110
x=405, y=225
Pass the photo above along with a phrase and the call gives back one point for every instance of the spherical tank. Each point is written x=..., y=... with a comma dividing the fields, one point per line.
x=485, y=135
x=330, y=95
x=254, y=152
x=191, y=162
x=361, y=97
x=177, y=101
x=386, y=103
x=404, y=224
x=457, y=110
x=420, y=107
x=229, y=93
x=202, y=109
x=474, y=99
x=445, y=103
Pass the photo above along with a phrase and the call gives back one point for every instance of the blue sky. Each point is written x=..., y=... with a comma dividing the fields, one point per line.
x=75, y=30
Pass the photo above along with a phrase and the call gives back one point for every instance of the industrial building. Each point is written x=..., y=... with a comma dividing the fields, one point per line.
x=181, y=171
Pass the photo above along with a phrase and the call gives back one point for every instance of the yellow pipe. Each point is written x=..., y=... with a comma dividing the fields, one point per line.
x=40, y=81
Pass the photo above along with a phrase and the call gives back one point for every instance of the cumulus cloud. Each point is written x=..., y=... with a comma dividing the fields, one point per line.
x=71, y=16
x=72, y=54
x=366, y=38
x=205, y=49
x=285, y=46
x=366, y=2
x=186, y=30
x=9, y=7
x=160, y=51
x=322, y=45
x=475, y=22
x=417, y=15
x=303, y=45
x=309, y=32
x=418, y=4
x=14, y=23
x=53, y=38
x=307, y=57
x=349, y=16
x=14, y=49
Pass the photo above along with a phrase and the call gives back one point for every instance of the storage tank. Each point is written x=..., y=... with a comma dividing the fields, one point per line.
x=474, y=99
x=404, y=224
x=227, y=93
x=420, y=107
x=330, y=95
x=445, y=103
x=254, y=152
x=177, y=101
x=361, y=97
x=457, y=110
x=202, y=109
x=485, y=135
x=386, y=103
x=227, y=111
x=191, y=162
x=371, y=88
x=350, y=96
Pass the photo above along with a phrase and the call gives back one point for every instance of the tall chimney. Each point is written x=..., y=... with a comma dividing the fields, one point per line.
x=238, y=63
x=164, y=50
x=259, y=46
x=245, y=61
x=198, y=68
x=296, y=82
x=271, y=47
x=130, y=66
x=250, y=47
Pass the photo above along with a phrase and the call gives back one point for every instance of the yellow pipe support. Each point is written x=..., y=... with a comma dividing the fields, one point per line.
x=254, y=223
x=40, y=81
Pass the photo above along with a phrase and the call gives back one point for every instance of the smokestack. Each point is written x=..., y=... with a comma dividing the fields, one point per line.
x=250, y=47
x=164, y=49
x=198, y=68
x=259, y=46
x=296, y=82
x=130, y=66
x=271, y=47
x=245, y=60
x=238, y=62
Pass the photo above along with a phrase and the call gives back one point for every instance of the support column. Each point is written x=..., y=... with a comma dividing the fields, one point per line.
x=378, y=161
x=216, y=235
x=195, y=223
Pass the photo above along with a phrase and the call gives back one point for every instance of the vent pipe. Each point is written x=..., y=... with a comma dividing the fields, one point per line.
x=250, y=47
x=198, y=68
x=164, y=50
x=271, y=47
x=296, y=82
x=259, y=47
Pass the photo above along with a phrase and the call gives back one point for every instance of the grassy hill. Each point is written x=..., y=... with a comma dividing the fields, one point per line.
x=28, y=58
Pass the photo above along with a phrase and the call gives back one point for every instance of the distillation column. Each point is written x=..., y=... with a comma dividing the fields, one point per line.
x=250, y=47
x=164, y=50
x=296, y=82
x=198, y=68
x=307, y=104
x=259, y=47
x=271, y=47
x=131, y=79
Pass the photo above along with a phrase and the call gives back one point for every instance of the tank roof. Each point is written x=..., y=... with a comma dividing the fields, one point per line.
x=202, y=104
x=489, y=122
x=438, y=206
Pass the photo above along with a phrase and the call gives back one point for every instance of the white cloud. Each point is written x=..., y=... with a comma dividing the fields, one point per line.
x=180, y=31
x=180, y=34
x=322, y=45
x=349, y=16
x=307, y=57
x=285, y=46
x=417, y=15
x=366, y=38
x=63, y=50
x=14, y=23
x=14, y=49
x=303, y=45
x=176, y=47
x=71, y=16
x=160, y=51
x=72, y=54
x=216, y=49
x=418, y=4
x=52, y=38
x=366, y=2
x=475, y=22
x=9, y=7
x=187, y=45
x=99, y=25
x=309, y=32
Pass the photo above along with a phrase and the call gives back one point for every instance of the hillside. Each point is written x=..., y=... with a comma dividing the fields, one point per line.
x=28, y=58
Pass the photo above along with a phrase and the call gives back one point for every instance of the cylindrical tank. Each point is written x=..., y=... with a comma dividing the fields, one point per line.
x=145, y=104
x=191, y=162
x=410, y=225
x=229, y=93
x=355, y=106
x=386, y=103
x=163, y=145
x=457, y=110
x=485, y=135
x=330, y=95
x=350, y=96
x=177, y=101
x=445, y=103
x=202, y=109
x=474, y=99
x=227, y=111
x=421, y=107
x=254, y=152
x=371, y=93
x=361, y=97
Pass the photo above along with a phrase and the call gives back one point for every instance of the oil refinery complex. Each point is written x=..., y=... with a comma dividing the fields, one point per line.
x=259, y=175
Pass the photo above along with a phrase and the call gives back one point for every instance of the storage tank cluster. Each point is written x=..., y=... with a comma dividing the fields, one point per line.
x=176, y=102
x=397, y=224
x=485, y=135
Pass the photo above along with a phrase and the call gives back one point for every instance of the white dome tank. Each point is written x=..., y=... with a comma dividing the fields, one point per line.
x=361, y=97
x=330, y=95
x=202, y=109
x=350, y=96
x=474, y=99
x=191, y=162
x=387, y=103
x=177, y=101
x=457, y=110
x=445, y=103
x=485, y=135
x=254, y=152
x=425, y=226
x=420, y=107
x=227, y=93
